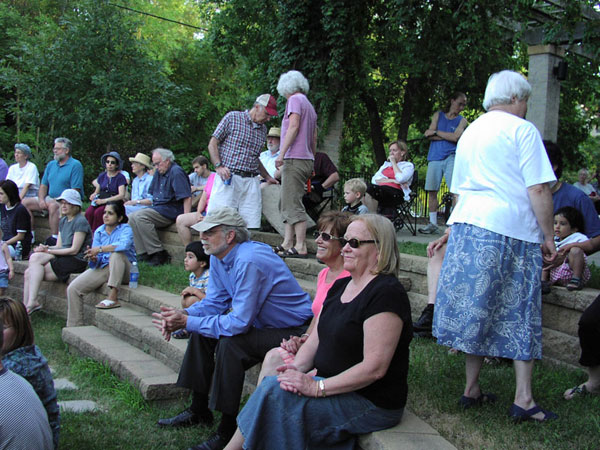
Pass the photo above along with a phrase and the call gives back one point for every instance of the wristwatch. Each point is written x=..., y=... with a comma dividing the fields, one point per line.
x=217, y=165
x=137, y=202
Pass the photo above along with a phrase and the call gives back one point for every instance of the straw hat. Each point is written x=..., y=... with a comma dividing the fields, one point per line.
x=143, y=160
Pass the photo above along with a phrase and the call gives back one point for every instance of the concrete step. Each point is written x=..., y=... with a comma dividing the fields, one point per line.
x=154, y=380
x=136, y=329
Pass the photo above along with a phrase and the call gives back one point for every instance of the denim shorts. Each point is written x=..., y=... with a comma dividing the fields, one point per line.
x=4, y=279
x=438, y=169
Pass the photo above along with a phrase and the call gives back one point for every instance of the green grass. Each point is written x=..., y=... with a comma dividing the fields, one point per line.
x=125, y=421
x=436, y=382
x=170, y=277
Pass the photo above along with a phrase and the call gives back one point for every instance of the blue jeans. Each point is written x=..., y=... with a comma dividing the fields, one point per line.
x=274, y=418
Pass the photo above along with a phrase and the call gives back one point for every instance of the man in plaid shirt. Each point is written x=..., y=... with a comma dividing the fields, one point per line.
x=235, y=148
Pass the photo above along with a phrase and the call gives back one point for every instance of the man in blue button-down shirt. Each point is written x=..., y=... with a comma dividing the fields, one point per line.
x=252, y=302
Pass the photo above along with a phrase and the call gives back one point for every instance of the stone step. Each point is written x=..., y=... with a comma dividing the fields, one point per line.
x=136, y=329
x=152, y=378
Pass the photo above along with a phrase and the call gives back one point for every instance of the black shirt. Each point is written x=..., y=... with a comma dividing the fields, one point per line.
x=341, y=337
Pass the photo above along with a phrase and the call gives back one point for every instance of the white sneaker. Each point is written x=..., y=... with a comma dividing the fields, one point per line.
x=429, y=229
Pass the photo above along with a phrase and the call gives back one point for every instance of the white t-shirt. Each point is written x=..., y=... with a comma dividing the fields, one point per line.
x=570, y=239
x=497, y=158
x=28, y=174
x=587, y=187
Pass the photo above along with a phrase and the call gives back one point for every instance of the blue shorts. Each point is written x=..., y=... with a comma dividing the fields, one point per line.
x=4, y=279
x=435, y=171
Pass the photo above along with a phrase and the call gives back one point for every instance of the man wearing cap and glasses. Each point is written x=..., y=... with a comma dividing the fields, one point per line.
x=252, y=302
x=63, y=172
x=235, y=152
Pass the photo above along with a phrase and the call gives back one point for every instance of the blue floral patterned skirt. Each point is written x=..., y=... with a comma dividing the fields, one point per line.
x=489, y=299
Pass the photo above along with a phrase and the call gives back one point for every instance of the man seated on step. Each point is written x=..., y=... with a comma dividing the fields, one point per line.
x=171, y=196
x=252, y=302
x=563, y=194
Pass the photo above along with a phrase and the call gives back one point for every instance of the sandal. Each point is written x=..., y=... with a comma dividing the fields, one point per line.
x=469, y=402
x=279, y=249
x=519, y=414
x=181, y=334
x=577, y=391
x=108, y=304
x=34, y=309
x=575, y=284
x=293, y=253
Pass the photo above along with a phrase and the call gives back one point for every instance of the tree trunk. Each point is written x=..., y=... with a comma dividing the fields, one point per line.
x=375, y=127
x=410, y=90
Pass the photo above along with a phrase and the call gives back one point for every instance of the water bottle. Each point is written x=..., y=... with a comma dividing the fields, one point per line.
x=19, y=251
x=94, y=204
x=227, y=182
x=134, y=274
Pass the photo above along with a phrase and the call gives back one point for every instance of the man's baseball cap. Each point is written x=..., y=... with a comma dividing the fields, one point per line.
x=269, y=102
x=274, y=132
x=70, y=196
x=221, y=216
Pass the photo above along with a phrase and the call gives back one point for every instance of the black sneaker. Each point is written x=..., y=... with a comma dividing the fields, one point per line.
x=186, y=418
x=215, y=442
x=159, y=258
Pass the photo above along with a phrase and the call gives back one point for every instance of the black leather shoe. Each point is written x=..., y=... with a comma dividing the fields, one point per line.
x=159, y=258
x=186, y=418
x=215, y=442
x=425, y=322
x=143, y=257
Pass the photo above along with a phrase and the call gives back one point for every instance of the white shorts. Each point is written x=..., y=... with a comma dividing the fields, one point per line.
x=242, y=194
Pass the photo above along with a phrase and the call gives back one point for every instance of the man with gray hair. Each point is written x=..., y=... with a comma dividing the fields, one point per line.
x=63, y=172
x=252, y=302
x=171, y=196
x=235, y=148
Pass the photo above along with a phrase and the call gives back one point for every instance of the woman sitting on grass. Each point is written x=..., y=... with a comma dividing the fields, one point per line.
x=198, y=264
x=574, y=271
x=61, y=260
x=23, y=357
x=110, y=259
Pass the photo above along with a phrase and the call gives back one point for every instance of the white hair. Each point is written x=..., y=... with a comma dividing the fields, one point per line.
x=503, y=86
x=292, y=82
x=164, y=154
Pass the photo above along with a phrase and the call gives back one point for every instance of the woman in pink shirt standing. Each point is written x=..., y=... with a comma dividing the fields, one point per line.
x=296, y=160
x=332, y=226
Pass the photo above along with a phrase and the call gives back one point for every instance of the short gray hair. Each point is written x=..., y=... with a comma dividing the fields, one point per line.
x=503, y=86
x=292, y=82
x=241, y=233
x=164, y=154
x=63, y=140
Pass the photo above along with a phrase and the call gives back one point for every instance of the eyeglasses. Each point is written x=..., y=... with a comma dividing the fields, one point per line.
x=110, y=161
x=324, y=236
x=355, y=243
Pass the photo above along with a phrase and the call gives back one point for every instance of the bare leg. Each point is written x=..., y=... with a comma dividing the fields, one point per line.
x=434, y=267
x=34, y=275
x=472, y=368
x=236, y=442
x=271, y=362
x=53, y=216
x=433, y=202
x=288, y=237
x=523, y=393
x=183, y=224
x=300, y=231
x=113, y=294
x=576, y=261
x=189, y=300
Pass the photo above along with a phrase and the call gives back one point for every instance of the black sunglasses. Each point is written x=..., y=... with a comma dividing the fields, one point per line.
x=324, y=236
x=110, y=161
x=355, y=243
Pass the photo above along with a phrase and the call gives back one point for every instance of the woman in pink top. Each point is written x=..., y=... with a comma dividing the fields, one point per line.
x=184, y=222
x=332, y=225
x=296, y=160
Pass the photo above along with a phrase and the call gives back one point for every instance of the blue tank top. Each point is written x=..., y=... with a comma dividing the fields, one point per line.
x=440, y=150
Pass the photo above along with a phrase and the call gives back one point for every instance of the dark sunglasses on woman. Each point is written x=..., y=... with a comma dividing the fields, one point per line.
x=355, y=243
x=324, y=236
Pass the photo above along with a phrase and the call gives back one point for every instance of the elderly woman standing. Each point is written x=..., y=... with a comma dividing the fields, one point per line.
x=296, y=160
x=359, y=350
x=489, y=292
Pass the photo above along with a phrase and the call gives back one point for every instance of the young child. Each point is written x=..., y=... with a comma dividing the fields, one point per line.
x=573, y=272
x=198, y=264
x=6, y=268
x=354, y=191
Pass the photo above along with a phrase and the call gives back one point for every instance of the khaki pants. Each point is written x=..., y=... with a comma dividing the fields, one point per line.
x=144, y=224
x=116, y=273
